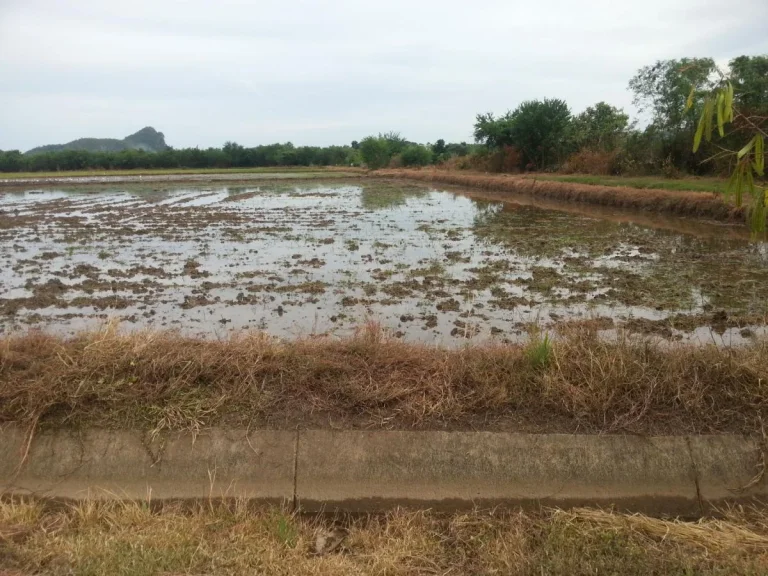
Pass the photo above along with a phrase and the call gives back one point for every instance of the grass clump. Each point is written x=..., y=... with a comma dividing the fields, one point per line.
x=134, y=538
x=539, y=351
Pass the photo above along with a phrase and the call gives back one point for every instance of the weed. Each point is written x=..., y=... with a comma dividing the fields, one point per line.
x=539, y=351
x=286, y=532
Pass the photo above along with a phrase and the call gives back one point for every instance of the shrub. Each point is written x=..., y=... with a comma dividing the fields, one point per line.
x=507, y=159
x=396, y=161
x=375, y=152
x=416, y=155
x=586, y=161
x=456, y=163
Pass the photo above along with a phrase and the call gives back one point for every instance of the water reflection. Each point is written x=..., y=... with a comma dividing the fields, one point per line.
x=295, y=259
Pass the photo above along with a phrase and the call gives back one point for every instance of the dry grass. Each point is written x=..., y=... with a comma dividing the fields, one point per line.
x=166, y=381
x=234, y=538
x=681, y=203
x=596, y=162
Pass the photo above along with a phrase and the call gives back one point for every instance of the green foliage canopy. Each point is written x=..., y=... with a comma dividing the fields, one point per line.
x=537, y=128
x=601, y=126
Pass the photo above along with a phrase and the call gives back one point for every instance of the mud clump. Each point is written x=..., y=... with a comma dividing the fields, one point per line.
x=196, y=300
x=86, y=270
x=192, y=269
x=450, y=305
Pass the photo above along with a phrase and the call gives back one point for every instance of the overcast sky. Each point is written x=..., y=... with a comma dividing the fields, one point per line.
x=329, y=72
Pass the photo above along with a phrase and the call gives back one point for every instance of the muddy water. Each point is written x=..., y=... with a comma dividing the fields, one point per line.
x=296, y=259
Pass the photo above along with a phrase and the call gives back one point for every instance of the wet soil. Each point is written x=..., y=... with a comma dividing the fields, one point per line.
x=306, y=258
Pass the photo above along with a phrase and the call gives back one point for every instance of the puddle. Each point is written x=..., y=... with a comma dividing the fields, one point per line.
x=431, y=265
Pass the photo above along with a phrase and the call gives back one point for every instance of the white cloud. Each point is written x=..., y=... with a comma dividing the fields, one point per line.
x=321, y=72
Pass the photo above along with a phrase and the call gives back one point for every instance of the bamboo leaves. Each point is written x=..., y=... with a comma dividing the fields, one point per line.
x=720, y=114
x=759, y=163
x=750, y=159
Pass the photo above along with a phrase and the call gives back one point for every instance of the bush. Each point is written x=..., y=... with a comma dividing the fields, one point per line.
x=456, y=163
x=586, y=161
x=508, y=159
x=416, y=155
x=396, y=161
x=375, y=152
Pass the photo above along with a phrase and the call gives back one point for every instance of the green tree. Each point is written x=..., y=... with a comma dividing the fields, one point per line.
x=375, y=151
x=11, y=161
x=601, y=126
x=438, y=148
x=416, y=155
x=537, y=128
x=395, y=142
x=494, y=132
x=662, y=90
x=749, y=75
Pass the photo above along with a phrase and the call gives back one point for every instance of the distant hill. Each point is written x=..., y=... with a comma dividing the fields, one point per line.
x=147, y=139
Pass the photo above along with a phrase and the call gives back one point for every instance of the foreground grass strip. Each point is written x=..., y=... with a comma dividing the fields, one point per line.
x=714, y=185
x=232, y=538
x=157, y=380
x=680, y=203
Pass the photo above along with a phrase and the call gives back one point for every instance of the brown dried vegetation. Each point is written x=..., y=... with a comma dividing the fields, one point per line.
x=696, y=204
x=234, y=538
x=167, y=381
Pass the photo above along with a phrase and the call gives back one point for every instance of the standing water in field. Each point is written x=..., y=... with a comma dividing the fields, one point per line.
x=310, y=258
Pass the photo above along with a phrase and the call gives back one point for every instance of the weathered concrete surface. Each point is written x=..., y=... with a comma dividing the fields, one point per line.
x=374, y=470
x=125, y=464
x=729, y=468
x=360, y=470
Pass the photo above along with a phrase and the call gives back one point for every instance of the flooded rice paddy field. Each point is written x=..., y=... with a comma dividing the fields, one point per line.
x=303, y=258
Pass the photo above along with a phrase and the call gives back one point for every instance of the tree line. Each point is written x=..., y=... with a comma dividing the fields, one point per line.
x=537, y=135
x=602, y=139
x=545, y=135
x=231, y=155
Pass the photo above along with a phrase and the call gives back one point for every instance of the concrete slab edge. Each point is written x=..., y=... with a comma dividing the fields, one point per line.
x=370, y=471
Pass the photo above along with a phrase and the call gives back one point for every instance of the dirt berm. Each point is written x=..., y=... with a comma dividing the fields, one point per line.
x=679, y=203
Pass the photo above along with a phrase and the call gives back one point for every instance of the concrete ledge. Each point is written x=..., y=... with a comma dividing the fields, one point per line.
x=725, y=465
x=374, y=470
x=126, y=464
x=359, y=470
